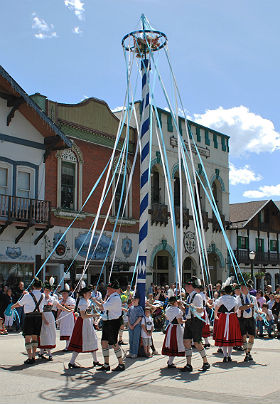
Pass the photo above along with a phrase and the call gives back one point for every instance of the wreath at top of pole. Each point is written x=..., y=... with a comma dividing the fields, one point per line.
x=143, y=40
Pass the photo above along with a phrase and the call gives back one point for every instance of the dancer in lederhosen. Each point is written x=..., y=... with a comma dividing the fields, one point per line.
x=47, y=340
x=66, y=322
x=84, y=338
x=228, y=332
x=173, y=342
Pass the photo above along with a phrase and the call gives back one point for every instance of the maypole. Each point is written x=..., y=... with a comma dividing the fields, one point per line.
x=140, y=42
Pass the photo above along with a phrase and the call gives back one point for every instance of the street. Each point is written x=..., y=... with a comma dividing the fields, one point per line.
x=144, y=381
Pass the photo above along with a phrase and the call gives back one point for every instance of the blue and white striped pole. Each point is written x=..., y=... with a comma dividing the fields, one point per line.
x=144, y=189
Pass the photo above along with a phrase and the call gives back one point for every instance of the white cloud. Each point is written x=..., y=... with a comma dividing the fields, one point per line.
x=242, y=175
x=267, y=191
x=77, y=31
x=77, y=6
x=248, y=132
x=44, y=30
x=118, y=109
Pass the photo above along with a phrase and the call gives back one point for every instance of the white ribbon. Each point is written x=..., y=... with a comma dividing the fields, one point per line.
x=226, y=333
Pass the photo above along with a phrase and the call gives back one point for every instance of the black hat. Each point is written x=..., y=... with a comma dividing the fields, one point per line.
x=65, y=290
x=84, y=290
x=194, y=281
x=47, y=286
x=114, y=285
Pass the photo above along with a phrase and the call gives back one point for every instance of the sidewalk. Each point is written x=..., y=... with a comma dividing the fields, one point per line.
x=144, y=381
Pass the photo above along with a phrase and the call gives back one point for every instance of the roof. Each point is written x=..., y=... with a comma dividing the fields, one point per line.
x=241, y=213
x=30, y=109
x=277, y=203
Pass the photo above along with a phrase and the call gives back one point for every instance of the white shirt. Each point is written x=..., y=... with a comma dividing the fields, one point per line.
x=197, y=301
x=113, y=306
x=228, y=301
x=170, y=293
x=96, y=294
x=251, y=299
x=28, y=303
x=149, y=324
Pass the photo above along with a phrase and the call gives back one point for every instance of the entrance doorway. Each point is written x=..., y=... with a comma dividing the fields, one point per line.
x=189, y=269
x=161, y=268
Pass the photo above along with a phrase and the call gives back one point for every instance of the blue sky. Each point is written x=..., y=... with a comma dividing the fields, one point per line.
x=225, y=55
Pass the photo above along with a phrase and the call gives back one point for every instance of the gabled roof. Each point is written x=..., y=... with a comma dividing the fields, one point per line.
x=241, y=213
x=31, y=111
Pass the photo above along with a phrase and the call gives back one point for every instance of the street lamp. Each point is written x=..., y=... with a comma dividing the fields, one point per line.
x=252, y=256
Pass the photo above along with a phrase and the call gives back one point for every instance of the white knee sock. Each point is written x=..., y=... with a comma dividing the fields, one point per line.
x=94, y=356
x=74, y=357
x=229, y=350
x=225, y=351
x=206, y=340
x=170, y=360
x=67, y=343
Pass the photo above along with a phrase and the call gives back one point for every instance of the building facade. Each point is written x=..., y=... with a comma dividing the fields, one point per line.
x=255, y=226
x=213, y=147
x=27, y=138
x=70, y=176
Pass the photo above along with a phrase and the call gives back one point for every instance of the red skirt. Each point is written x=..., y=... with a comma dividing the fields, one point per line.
x=215, y=327
x=231, y=336
x=206, y=331
x=170, y=344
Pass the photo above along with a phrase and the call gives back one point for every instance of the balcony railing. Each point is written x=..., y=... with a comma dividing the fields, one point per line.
x=186, y=217
x=261, y=258
x=26, y=210
x=216, y=225
x=159, y=214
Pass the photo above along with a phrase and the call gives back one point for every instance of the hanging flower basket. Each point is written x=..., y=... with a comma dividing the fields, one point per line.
x=260, y=275
x=142, y=45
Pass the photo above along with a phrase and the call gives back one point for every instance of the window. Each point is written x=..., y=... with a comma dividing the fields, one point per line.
x=155, y=187
x=273, y=245
x=169, y=123
x=177, y=191
x=224, y=147
x=3, y=180
x=198, y=136
x=23, y=184
x=259, y=244
x=243, y=242
x=207, y=139
x=215, y=140
x=68, y=185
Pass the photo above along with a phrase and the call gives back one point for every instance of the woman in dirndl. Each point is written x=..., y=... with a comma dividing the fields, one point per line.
x=84, y=338
x=47, y=339
x=173, y=342
x=228, y=332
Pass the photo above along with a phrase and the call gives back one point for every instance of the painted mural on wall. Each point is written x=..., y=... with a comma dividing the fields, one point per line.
x=189, y=242
x=126, y=247
x=82, y=244
x=61, y=248
x=15, y=253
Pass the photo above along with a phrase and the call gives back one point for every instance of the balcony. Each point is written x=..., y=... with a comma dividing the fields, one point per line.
x=159, y=214
x=24, y=213
x=216, y=225
x=186, y=217
x=205, y=220
x=262, y=258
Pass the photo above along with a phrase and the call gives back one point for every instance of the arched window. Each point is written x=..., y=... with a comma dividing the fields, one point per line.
x=155, y=194
x=69, y=179
x=217, y=193
x=176, y=190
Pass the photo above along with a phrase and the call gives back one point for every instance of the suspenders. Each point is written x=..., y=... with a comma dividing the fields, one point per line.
x=37, y=304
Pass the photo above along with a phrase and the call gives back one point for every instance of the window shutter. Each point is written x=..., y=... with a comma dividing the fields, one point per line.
x=257, y=246
x=180, y=126
x=190, y=131
x=224, y=147
x=270, y=245
x=207, y=140
x=169, y=123
x=247, y=242
x=239, y=242
x=198, y=136
x=262, y=245
x=215, y=140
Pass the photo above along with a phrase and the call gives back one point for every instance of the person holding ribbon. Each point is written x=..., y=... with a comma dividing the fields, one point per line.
x=111, y=325
x=33, y=303
x=66, y=321
x=47, y=339
x=247, y=307
x=228, y=332
x=194, y=325
x=173, y=342
x=84, y=338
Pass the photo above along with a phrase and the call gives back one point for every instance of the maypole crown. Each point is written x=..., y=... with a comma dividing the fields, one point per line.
x=144, y=40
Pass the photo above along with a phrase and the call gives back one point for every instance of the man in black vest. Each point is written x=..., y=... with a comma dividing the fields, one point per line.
x=194, y=325
x=33, y=304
